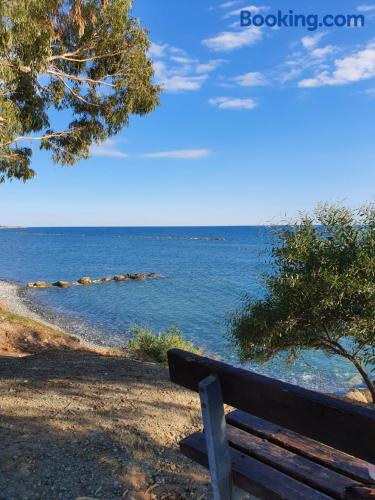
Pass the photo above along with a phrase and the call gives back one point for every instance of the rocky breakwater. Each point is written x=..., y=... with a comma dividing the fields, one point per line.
x=86, y=280
x=40, y=284
x=125, y=277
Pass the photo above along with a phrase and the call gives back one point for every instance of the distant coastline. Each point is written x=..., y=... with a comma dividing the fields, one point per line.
x=12, y=227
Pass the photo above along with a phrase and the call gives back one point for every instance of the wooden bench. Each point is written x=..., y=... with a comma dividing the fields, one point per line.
x=282, y=441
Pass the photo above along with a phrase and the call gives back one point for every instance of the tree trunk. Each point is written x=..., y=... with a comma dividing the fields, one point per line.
x=365, y=376
x=337, y=348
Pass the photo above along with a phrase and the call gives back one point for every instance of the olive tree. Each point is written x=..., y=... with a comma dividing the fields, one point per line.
x=87, y=58
x=320, y=294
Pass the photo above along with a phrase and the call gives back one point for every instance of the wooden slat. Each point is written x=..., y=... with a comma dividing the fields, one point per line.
x=340, y=424
x=300, y=468
x=253, y=476
x=360, y=493
x=335, y=460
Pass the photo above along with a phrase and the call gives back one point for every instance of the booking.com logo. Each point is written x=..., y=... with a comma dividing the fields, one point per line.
x=310, y=21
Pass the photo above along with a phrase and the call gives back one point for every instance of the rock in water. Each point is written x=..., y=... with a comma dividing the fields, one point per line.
x=39, y=284
x=62, y=284
x=137, y=276
x=152, y=275
x=120, y=277
x=106, y=279
x=85, y=281
x=360, y=395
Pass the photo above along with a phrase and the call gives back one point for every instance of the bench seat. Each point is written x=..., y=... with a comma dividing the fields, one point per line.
x=282, y=441
x=332, y=459
x=272, y=462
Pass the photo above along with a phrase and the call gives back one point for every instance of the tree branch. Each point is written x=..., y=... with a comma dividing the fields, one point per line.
x=76, y=94
x=67, y=54
x=42, y=137
x=61, y=74
x=86, y=59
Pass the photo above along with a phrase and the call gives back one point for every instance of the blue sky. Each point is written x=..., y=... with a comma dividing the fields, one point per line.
x=254, y=125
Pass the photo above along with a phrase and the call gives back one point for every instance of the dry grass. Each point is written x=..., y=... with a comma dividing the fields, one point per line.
x=21, y=336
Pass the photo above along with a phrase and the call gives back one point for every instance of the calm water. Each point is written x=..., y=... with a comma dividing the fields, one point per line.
x=207, y=272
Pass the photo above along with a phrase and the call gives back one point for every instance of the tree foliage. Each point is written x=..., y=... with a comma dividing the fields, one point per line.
x=144, y=344
x=321, y=294
x=87, y=58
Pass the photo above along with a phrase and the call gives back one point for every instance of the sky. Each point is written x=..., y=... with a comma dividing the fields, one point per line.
x=255, y=124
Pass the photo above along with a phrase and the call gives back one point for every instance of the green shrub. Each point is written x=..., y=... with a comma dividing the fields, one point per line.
x=146, y=345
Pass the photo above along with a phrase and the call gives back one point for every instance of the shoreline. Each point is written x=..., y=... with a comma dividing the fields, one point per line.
x=10, y=294
x=13, y=297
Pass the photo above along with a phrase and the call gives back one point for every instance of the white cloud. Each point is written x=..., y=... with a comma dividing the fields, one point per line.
x=366, y=8
x=175, y=71
x=181, y=154
x=232, y=103
x=310, y=42
x=322, y=52
x=160, y=69
x=177, y=50
x=175, y=79
x=225, y=5
x=290, y=75
x=352, y=68
x=107, y=150
x=163, y=50
x=231, y=40
x=177, y=83
x=254, y=9
x=196, y=66
x=311, y=58
x=251, y=79
x=209, y=66
x=370, y=93
x=182, y=60
x=157, y=50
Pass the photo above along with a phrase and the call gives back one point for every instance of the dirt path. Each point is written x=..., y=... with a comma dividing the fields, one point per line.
x=77, y=421
x=80, y=424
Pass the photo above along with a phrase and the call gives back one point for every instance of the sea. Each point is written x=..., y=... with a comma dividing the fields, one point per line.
x=205, y=275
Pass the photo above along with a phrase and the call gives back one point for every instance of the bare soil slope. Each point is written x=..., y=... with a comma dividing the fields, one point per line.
x=80, y=424
x=20, y=336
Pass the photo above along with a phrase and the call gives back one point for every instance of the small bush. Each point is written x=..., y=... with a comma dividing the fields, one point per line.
x=146, y=345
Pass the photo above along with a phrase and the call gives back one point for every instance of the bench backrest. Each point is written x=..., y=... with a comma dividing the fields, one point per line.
x=345, y=426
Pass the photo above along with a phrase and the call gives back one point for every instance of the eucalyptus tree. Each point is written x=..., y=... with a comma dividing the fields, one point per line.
x=71, y=74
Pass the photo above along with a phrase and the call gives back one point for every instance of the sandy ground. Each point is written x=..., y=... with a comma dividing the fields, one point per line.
x=77, y=422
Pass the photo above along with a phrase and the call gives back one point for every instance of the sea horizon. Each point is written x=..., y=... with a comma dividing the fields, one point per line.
x=140, y=226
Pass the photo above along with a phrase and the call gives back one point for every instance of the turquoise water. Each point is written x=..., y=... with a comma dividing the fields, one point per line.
x=207, y=271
